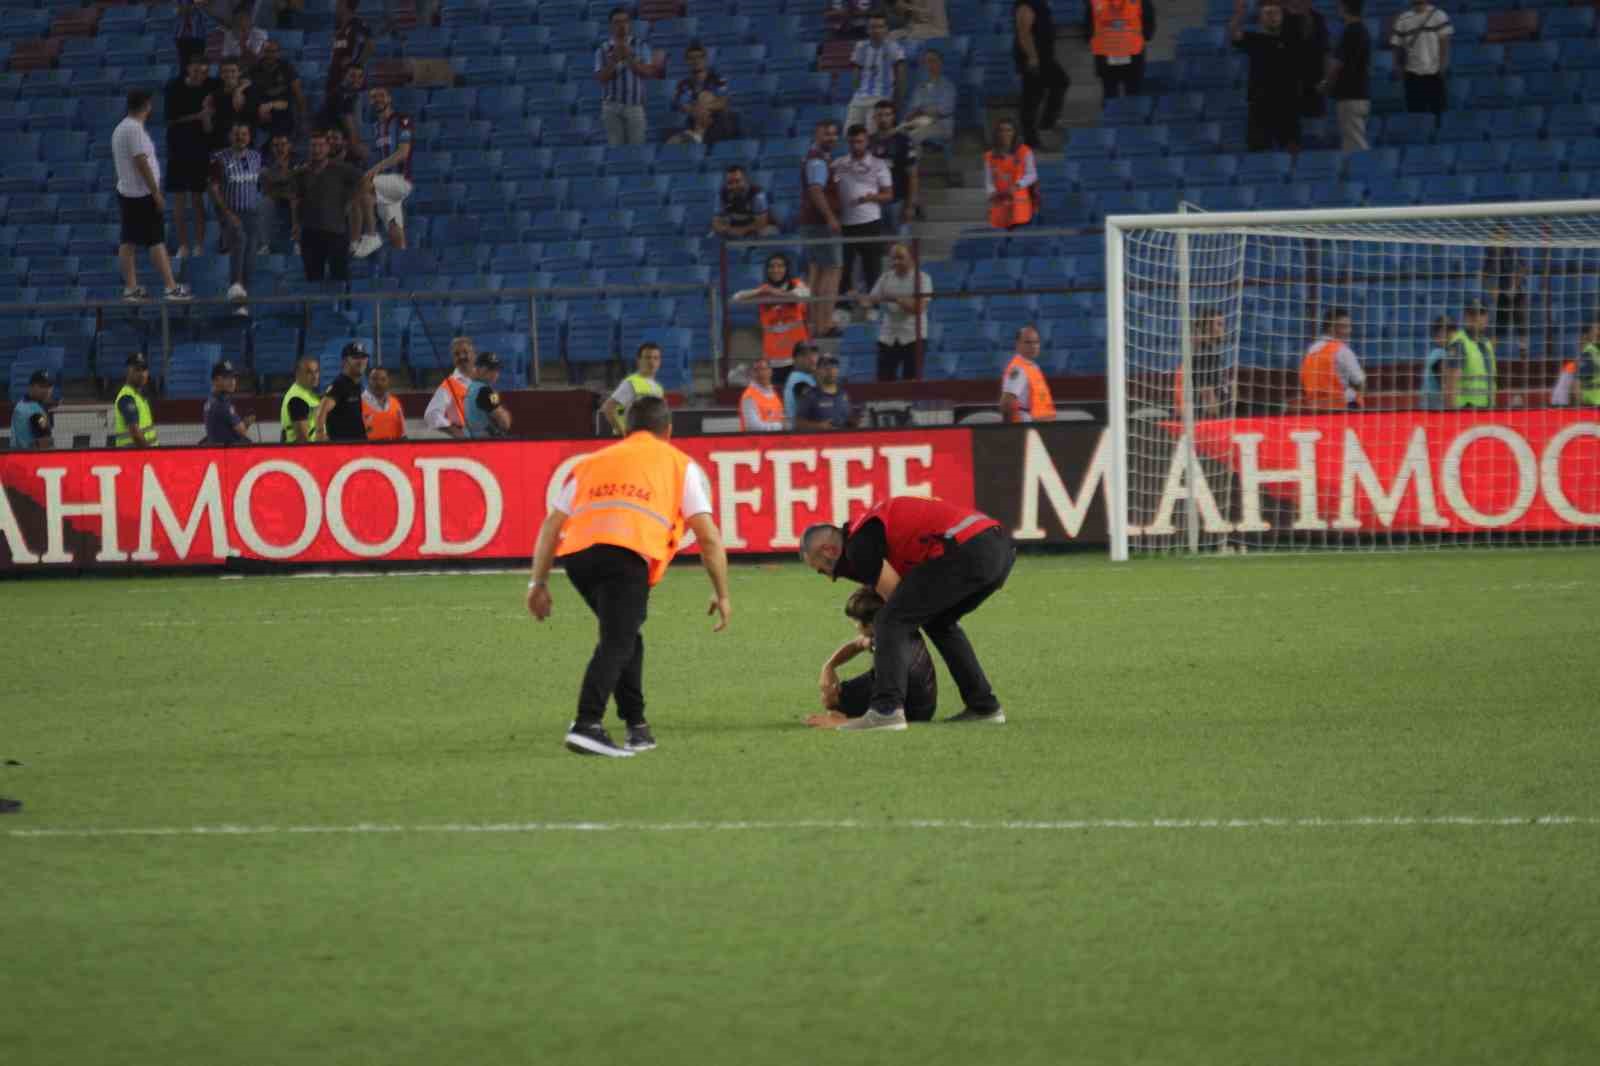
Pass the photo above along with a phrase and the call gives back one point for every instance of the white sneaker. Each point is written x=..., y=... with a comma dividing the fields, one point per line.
x=367, y=245
x=236, y=292
x=895, y=723
x=195, y=251
x=241, y=312
x=183, y=253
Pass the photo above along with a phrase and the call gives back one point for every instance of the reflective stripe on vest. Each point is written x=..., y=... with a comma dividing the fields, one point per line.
x=385, y=423
x=1041, y=406
x=782, y=327
x=1006, y=171
x=1475, y=387
x=1320, y=386
x=643, y=386
x=1591, y=391
x=313, y=401
x=629, y=495
x=119, y=425
x=768, y=404
x=917, y=530
x=1118, y=28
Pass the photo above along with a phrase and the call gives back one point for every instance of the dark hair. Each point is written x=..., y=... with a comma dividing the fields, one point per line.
x=885, y=103
x=227, y=61
x=138, y=100
x=240, y=122
x=1354, y=6
x=1442, y=321
x=933, y=52
x=650, y=413
x=644, y=347
x=245, y=7
x=615, y=12
x=1333, y=315
x=857, y=128
x=694, y=46
x=877, y=13
x=863, y=605
x=732, y=167
x=815, y=533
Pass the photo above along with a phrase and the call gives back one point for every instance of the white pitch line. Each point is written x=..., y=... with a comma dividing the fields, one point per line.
x=982, y=825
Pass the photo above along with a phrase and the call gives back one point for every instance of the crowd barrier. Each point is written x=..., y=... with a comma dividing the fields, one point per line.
x=451, y=502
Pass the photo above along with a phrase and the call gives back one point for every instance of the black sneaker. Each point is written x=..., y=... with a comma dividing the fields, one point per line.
x=994, y=717
x=594, y=740
x=9, y=806
x=640, y=738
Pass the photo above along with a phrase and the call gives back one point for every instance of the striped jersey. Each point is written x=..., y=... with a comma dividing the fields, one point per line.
x=238, y=175
x=627, y=88
x=876, y=63
x=388, y=134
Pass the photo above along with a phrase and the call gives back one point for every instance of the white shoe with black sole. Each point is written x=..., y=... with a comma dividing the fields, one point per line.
x=894, y=723
x=594, y=740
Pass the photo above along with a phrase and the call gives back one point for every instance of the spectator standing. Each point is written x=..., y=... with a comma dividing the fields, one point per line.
x=802, y=378
x=892, y=145
x=277, y=187
x=880, y=72
x=297, y=414
x=344, y=110
x=1305, y=25
x=1119, y=30
x=1331, y=378
x=1434, y=363
x=847, y=19
x=1469, y=373
x=388, y=181
x=865, y=185
x=140, y=204
x=230, y=103
x=701, y=97
x=132, y=423
x=447, y=407
x=1010, y=177
x=486, y=417
x=621, y=65
x=322, y=194
x=189, y=30
x=1348, y=78
x=642, y=382
x=903, y=293
x=820, y=224
x=1505, y=279
x=918, y=19
x=1208, y=356
x=1044, y=80
x=32, y=425
x=190, y=109
x=1273, y=122
x=236, y=190
x=828, y=405
x=1420, y=38
x=243, y=40
x=361, y=203
x=741, y=209
x=783, y=315
x=381, y=412
x=935, y=98
x=1024, y=392
x=352, y=43
x=760, y=406
x=280, y=101
x=222, y=422
x=339, y=411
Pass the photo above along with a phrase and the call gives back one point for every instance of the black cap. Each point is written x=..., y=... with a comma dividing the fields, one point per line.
x=354, y=350
x=828, y=360
x=137, y=360
x=805, y=346
x=223, y=369
x=1477, y=305
x=39, y=377
x=488, y=361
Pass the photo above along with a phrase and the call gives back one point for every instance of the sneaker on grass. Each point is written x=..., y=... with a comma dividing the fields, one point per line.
x=994, y=717
x=877, y=720
x=640, y=738
x=594, y=740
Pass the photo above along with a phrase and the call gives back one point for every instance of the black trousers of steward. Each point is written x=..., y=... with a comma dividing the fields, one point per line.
x=615, y=583
x=933, y=597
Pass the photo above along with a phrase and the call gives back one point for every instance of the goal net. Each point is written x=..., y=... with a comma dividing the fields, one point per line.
x=1378, y=378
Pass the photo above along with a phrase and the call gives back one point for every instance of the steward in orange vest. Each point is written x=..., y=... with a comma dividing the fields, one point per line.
x=616, y=526
x=1118, y=32
x=783, y=322
x=1331, y=378
x=1011, y=179
x=932, y=562
x=381, y=412
x=1024, y=393
x=760, y=407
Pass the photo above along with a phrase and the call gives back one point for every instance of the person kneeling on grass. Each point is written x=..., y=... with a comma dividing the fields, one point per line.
x=849, y=699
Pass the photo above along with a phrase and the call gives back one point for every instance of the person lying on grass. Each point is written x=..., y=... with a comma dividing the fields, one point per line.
x=849, y=699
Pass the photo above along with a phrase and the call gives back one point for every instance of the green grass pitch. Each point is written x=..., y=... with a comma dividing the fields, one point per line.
x=1052, y=891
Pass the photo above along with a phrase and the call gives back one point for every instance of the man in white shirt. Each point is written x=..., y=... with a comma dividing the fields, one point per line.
x=904, y=293
x=243, y=40
x=880, y=66
x=1420, y=38
x=865, y=184
x=139, y=201
x=447, y=408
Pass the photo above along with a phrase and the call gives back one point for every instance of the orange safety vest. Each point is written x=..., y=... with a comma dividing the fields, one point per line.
x=1007, y=171
x=629, y=495
x=384, y=423
x=782, y=327
x=1041, y=405
x=1118, y=28
x=458, y=394
x=768, y=403
x=1320, y=387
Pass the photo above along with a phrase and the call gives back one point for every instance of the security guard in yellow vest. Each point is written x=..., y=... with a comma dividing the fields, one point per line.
x=616, y=526
x=1469, y=373
x=133, y=426
x=1589, y=365
x=297, y=415
x=642, y=382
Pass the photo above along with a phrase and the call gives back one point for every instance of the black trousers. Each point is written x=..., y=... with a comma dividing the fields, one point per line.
x=1273, y=125
x=1120, y=79
x=1425, y=93
x=1044, y=88
x=901, y=358
x=780, y=377
x=871, y=256
x=933, y=597
x=615, y=583
x=325, y=253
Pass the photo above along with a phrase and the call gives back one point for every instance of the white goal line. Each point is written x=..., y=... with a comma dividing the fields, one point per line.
x=981, y=825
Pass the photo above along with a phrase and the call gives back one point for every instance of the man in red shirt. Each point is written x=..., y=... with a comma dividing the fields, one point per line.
x=932, y=562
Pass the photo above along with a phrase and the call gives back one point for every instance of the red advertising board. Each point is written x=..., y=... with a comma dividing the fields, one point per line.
x=416, y=502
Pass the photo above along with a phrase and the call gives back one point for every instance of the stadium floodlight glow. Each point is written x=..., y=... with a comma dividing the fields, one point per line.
x=1387, y=377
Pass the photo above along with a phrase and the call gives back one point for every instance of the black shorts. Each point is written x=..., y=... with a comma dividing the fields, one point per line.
x=187, y=173
x=142, y=225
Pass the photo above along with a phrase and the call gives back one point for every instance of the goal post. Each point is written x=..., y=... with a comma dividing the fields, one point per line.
x=1353, y=378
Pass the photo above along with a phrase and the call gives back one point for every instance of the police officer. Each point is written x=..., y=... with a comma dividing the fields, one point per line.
x=297, y=414
x=616, y=526
x=339, y=412
x=485, y=416
x=642, y=382
x=222, y=422
x=31, y=421
x=932, y=562
x=133, y=426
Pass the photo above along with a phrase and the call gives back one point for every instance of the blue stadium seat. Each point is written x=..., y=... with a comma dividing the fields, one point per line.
x=1259, y=168
x=994, y=274
x=1424, y=160
x=1568, y=122
x=1374, y=165
x=1127, y=111
x=1500, y=188
x=1474, y=60
x=1408, y=129
x=1475, y=157
x=1140, y=142
x=1513, y=123
x=188, y=374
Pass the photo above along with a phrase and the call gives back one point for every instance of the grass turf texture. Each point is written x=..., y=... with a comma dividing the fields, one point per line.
x=1325, y=687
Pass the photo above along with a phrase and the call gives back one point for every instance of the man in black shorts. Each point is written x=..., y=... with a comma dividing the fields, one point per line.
x=843, y=700
x=139, y=201
x=339, y=413
x=191, y=110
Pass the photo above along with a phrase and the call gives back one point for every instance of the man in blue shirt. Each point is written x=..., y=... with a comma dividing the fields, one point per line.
x=222, y=422
x=31, y=421
x=485, y=415
x=827, y=406
x=802, y=379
